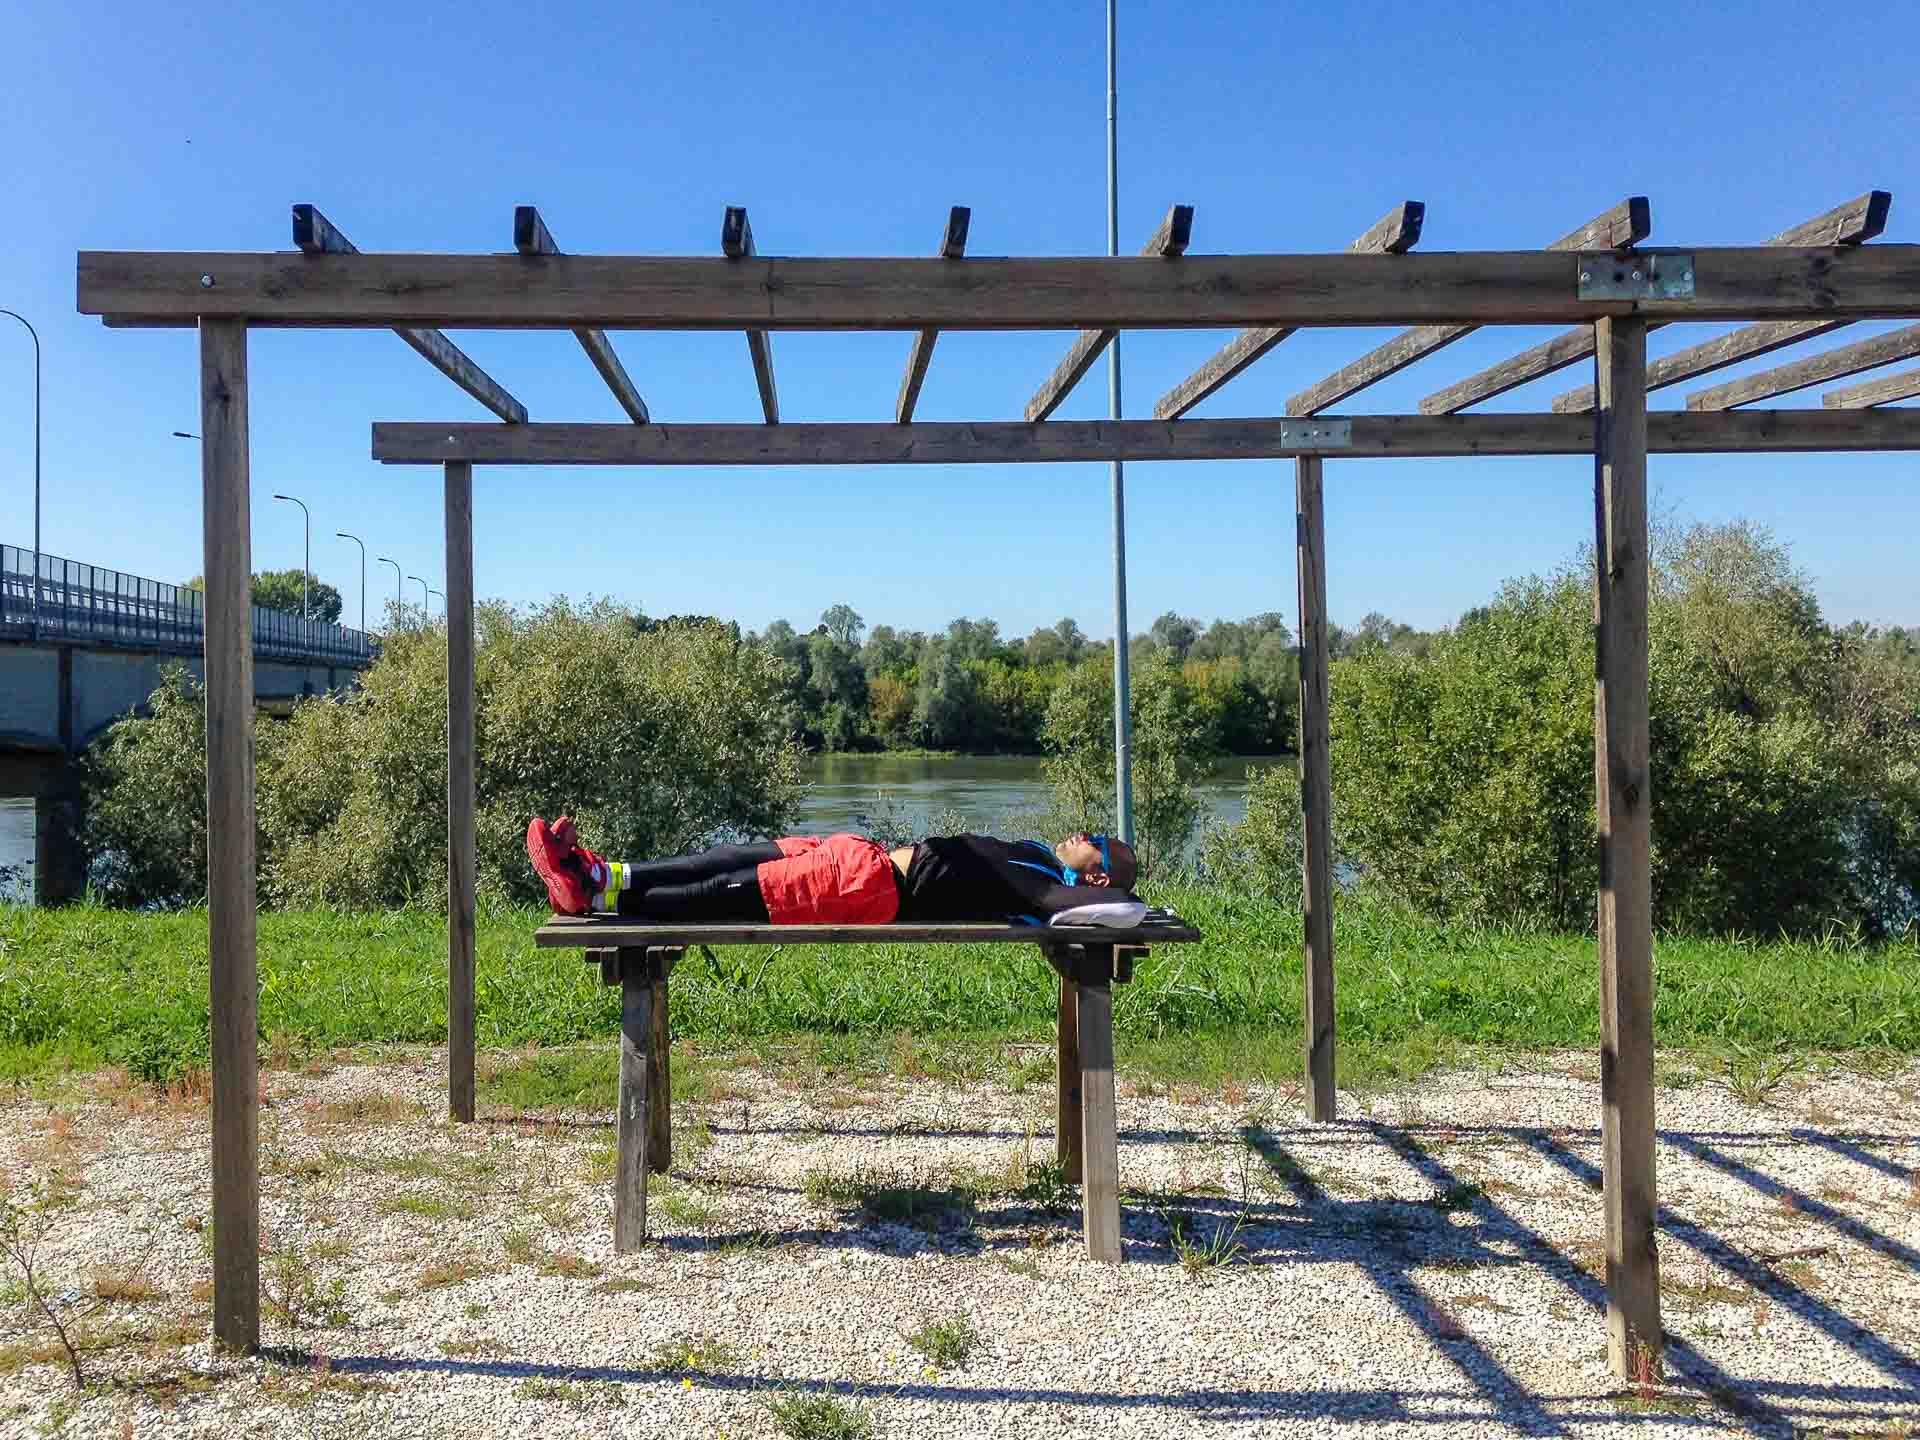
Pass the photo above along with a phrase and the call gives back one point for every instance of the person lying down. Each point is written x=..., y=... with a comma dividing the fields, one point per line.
x=847, y=880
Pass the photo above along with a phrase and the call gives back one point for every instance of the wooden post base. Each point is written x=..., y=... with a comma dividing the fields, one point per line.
x=643, y=1120
x=1088, y=1139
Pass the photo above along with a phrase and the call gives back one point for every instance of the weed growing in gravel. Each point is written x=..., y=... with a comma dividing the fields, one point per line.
x=365, y=1111
x=575, y=1395
x=819, y=1417
x=519, y=1246
x=476, y=1312
x=567, y=1265
x=457, y=1271
x=678, y=1201
x=600, y=1164
x=1750, y=1074
x=1202, y=1256
x=1700, y=1293
x=1457, y=1197
x=425, y=1207
x=622, y=1285
x=294, y=1292
x=1027, y=1268
x=695, y=1355
x=751, y=1242
x=947, y=1343
x=477, y=1345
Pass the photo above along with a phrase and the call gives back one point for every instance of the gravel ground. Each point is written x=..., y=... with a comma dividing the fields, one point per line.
x=1424, y=1267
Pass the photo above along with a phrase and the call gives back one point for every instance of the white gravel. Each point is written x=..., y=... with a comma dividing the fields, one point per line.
x=1371, y=1287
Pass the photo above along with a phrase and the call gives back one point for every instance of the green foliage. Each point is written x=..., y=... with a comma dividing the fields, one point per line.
x=1173, y=746
x=280, y=590
x=1785, y=761
x=1260, y=855
x=653, y=741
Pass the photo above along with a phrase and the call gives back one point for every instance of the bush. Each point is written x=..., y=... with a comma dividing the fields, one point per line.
x=1784, y=756
x=1173, y=745
x=654, y=741
x=1261, y=854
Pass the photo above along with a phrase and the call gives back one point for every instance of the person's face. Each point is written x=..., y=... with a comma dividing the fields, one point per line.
x=1080, y=852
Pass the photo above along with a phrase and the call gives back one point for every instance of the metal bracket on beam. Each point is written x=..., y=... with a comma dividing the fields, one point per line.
x=1317, y=434
x=1641, y=275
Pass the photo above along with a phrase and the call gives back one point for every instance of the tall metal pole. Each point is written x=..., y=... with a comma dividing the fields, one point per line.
x=36, y=467
x=424, y=606
x=1122, y=680
x=306, y=552
x=397, y=601
x=363, y=575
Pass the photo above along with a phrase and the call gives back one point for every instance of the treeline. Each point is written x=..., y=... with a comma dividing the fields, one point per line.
x=970, y=688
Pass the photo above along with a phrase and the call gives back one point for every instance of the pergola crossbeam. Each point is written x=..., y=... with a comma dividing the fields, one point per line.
x=1746, y=343
x=1395, y=233
x=531, y=237
x=736, y=243
x=315, y=235
x=1903, y=386
x=1169, y=242
x=1848, y=225
x=1620, y=228
x=1814, y=370
x=1013, y=442
x=953, y=246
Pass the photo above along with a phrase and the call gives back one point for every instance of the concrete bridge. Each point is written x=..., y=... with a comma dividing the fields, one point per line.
x=86, y=646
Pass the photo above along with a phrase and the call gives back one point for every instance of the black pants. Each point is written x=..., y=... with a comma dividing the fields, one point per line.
x=713, y=886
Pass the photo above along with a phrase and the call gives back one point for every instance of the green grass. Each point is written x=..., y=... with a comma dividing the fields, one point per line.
x=83, y=985
x=946, y=1343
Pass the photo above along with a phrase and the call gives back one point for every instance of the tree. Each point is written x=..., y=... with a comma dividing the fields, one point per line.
x=843, y=624
x=280, y=590
x=1175, y=634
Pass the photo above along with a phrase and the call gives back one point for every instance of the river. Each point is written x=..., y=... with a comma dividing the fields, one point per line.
x=984, y=789
x=16, y=849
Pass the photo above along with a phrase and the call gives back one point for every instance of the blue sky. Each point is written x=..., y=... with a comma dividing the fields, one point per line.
x=849, y=129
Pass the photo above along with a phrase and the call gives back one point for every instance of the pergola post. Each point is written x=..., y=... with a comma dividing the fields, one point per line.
x=234, y=999
x=460, y=834
x=1316, y=789
x=1623, y=800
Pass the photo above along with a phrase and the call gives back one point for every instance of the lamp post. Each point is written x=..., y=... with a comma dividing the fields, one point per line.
x=443, y=601
x=425, y=609
x=1122, y=683
x=363, y=575
x=36, y=466
x=396, y=582
x=306, y=561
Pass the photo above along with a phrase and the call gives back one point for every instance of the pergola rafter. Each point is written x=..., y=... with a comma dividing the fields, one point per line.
x=953, y=246
x=1903, y=386
x=1814, y=370
x=1807, y=278
x=531, y=237
x=1169, y=242
x=1620, y=228
x=1394, y=233
x=314, y=234
x=736, y=243
x=1851, y=224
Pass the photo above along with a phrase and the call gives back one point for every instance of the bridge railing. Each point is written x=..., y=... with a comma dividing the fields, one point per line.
x=92, y=605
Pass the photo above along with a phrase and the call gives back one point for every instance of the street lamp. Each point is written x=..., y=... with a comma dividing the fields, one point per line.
x=363, y=575
x=425, y=609
x=443, y=601
x=306, y=562
x=36, y=466
x=396, y=581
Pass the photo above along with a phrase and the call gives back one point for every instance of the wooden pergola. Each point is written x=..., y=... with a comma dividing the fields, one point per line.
x=1598, y=279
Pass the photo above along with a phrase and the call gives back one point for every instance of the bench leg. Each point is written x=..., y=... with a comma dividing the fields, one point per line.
x=659, y=1077
x=1067, y=1112
x=1100, y=1188
x=630, y=1165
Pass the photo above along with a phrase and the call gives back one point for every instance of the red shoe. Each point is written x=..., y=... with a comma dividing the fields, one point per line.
x=568, y=889
x=597, y=871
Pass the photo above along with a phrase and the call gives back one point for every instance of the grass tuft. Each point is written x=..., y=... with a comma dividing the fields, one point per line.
x=946, y=1343
x=819, y=1417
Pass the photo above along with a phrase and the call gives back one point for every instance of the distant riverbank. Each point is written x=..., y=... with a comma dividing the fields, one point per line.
x=985, y=789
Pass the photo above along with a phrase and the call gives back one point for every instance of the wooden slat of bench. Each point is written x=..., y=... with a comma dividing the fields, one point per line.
x=597, y=932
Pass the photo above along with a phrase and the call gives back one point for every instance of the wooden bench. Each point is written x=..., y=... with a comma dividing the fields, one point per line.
x=1090, y=961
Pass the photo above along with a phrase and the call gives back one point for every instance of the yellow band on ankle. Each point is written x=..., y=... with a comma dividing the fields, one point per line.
x=616, y=882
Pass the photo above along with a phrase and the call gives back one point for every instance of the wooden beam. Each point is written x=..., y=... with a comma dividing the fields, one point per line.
x=1008, y=443
x=1169, y=242
x=531, y=237
x=646, y=293
x=231, y=878
x=460, y=791
x=1619, y=228
x=1099, y=1125
x=1622, y=784
x=1850, y=226
x=1903, y=386
x=1316, y=790
x=631, y=1122
x=1816, y=369
x=660, y=1065
x=1746, y=343
x=316, y=235
x=1397, y=232
x=1067, y=1132
x=736, y=243
x=953, y=245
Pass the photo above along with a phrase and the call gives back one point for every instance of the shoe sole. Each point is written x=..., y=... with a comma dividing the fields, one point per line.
x=545, y=869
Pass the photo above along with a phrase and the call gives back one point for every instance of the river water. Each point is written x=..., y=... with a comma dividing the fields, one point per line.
x=16, y=849
x=984, y=789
